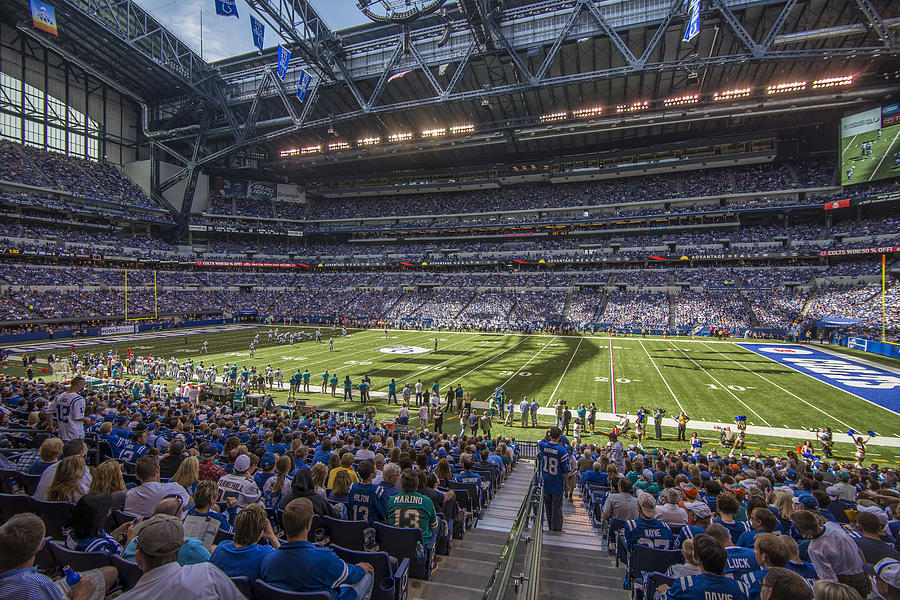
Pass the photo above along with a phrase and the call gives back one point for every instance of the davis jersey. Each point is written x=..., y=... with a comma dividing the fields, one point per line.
x=652, y=533
x=554, y=461
x=362, y=502
x=414, y=511
x=707, y=586
x=68, y=410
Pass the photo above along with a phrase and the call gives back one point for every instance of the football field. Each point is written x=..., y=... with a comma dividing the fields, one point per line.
x=882, y=162
x=782, y=390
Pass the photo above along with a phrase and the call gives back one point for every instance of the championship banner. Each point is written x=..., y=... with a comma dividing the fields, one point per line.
x=693, y=26
x=852, y=251
x=837, y=204
x=261, y=190
x=305, y=78
x=227, y=8
x=43, y=16
x=259, y=33
x=284, y=56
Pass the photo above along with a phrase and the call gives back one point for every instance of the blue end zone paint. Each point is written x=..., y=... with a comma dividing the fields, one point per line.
x=869, y=383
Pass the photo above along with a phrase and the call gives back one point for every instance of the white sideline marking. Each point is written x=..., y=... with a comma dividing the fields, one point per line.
x=553, y=393
x=725, y=388
x=764, y=378
x=653, y=362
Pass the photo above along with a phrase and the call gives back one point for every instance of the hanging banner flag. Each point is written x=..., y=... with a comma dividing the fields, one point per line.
x=227, y=8
x=443, y=68
x=305, y=78
x=284, y=55
x=533, y=51
x=693, y=26
x=43, y=16
x=398, y=75
x=259, y=33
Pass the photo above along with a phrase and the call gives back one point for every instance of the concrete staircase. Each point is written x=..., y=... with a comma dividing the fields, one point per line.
x=574, y=566
x=465, y=574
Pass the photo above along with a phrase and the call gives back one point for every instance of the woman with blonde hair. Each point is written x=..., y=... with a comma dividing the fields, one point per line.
x=319, y=474
x=783, y=500
x=831, y=590
x=340, y=487
x=50, y=452
x=67, y=485
x=188, y=474
x=108, y=479
x=274, y=488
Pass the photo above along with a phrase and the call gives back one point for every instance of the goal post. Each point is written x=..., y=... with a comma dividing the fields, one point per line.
x=155, y=301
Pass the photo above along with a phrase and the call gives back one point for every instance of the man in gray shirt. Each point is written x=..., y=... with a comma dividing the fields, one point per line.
x=621, y=505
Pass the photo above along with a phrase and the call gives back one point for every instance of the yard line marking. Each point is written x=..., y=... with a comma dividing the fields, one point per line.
x=720, y=385
x=653, y=362
x=529, y=361
x=883, y=155
x=850, y=143
x=488, y=360
x=612, y=378
x=764, y=378
x=553, y=393
x=413, y=356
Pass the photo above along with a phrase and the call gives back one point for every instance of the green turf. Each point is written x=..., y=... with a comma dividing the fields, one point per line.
x=878, y=166
x=711, y=381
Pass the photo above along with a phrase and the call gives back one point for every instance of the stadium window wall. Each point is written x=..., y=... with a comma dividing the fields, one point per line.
x=50, y=104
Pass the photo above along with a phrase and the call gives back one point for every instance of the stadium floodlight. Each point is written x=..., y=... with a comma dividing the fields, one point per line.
x=681, y=100
x=289, y=152
x=782, y=88
x=633, y=107
x=399, y=137
x=369, y=141
x=311, y=149
x=832, y=82
x=583, y=113
x=557, y=116
x=436, y=132
x=457, y=129
x=338, y=146
x=732, y=94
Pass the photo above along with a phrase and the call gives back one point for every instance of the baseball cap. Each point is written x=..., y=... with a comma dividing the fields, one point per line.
x=647, y=501
x=791, y=474
x=242, y=463
x=887, y=570
x=210, y=450
x=699, y=508
x=807, y=501
x=875, y=510
x=647, y=473
x=159, y=535
x=689, y=490
x=267, y=461
x=833, y=491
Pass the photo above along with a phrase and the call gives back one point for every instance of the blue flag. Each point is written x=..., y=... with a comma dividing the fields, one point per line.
x=259, y=33
x=304, y=85
x=284, y=55
x=533, y=51
x=227, y=8
x=693, y=26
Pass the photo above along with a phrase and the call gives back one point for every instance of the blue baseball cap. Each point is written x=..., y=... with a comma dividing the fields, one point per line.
x=267, y=461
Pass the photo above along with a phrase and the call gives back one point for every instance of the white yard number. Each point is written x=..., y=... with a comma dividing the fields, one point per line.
x=511, y=373
x=358, y=362
x=438, y=368
x=733, y=388
x=606, y=380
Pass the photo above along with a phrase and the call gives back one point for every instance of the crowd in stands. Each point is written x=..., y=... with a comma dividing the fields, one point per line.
x=720, y=310
x=631, y=309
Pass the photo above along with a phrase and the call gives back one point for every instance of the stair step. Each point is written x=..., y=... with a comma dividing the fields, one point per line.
x=566, y=589
x=463, y=578
x=600, y=578
x=476, y=553
x=470, y=566
x=431, y=590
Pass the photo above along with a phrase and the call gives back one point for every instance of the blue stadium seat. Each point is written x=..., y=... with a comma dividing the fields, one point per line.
x=56, y=516
x=244, y=586
x=129, y=572
x=264, y=591
x=402, y=543
x=643, y=559
x=390, y=584
x=79, y=561
x=347, y=534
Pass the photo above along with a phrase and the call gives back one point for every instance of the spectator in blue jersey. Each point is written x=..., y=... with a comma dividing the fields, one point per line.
x=88, y=518
x=362, y=495
x=784, y=584
x=698, y=520
x=647, y=530
x=554, y=465
x=387, y=489
x=266, y=469
x=770, y=552
x=795, y=563
x=762, y=520
x=727, y=507
x=467, y=475
x=596, y=475
x=242, y=556
x=205, y=495
x=301, y=566
x=711, y=582
x=740, y=560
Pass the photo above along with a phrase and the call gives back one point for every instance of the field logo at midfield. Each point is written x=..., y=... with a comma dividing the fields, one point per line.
x=874, y=384
x=403, y=350
x=783, y=350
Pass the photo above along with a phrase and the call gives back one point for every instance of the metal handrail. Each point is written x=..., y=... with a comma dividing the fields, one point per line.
x=502, y=576
x=533, y=581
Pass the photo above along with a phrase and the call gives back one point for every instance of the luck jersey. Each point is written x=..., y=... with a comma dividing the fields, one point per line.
x=414, y=511
x=707, y=586
x=68, y=410
x=652, y=533
x=363, y=500
x=740, y=562
x=554, y=461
